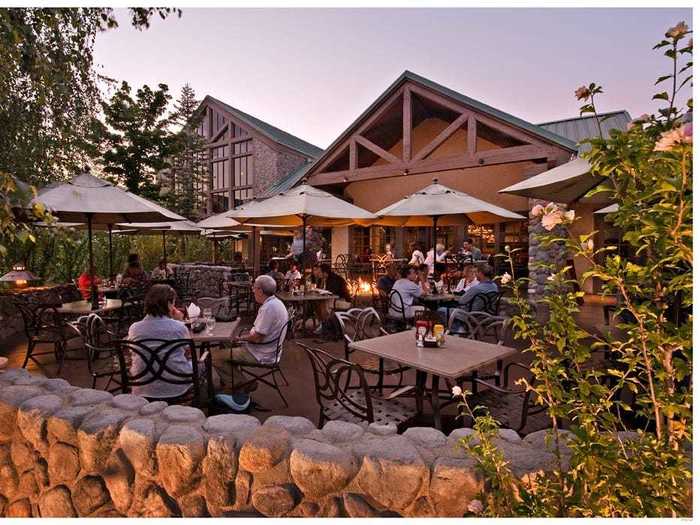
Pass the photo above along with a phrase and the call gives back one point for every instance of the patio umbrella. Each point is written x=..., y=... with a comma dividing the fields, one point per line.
x=181, y=227
x=566, y=183
x=437, y=205
x=608, y=209
x=88, y=199
x=302, y=206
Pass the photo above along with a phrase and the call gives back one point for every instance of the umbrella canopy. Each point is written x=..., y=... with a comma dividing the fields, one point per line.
x=608, y=209
x=566, y=183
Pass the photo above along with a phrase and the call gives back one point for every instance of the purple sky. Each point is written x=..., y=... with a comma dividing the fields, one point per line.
x=313, y=71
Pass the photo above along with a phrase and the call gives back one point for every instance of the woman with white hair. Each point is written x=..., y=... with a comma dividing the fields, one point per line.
x=431, y=259
x=271, y=319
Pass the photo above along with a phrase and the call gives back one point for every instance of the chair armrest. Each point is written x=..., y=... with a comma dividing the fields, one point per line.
x=204, y=357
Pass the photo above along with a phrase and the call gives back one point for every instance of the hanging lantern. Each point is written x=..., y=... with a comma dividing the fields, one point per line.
x=19, y=276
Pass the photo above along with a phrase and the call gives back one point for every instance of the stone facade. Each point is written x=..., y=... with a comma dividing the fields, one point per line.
x=10, y=319
x=204, y=280
x=67, y=451
x=538, y=254
x=271, y=165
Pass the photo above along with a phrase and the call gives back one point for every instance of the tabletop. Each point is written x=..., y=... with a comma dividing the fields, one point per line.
x=287, y=297
x=84, y=307
x=438, y=297
x=223, y=331
x=458, y=357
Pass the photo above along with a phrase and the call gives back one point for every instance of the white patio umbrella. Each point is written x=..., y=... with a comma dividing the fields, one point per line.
x=181, y=227
x=88, y=199
x=437, y=205
x=608, y=209
x=302, y=206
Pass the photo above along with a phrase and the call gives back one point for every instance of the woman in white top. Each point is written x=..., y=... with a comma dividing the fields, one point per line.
x=292, y=275
x=468, y=279
x=430, y=260
x=417, y=257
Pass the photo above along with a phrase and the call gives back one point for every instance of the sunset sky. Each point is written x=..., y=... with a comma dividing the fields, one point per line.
x=313, y=71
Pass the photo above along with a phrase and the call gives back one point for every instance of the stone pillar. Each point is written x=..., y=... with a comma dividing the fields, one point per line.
x=340, y=241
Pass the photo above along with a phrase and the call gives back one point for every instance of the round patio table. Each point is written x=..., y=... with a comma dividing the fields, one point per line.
x=305, y=299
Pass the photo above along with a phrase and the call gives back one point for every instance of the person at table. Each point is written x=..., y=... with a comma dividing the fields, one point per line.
x=162, y=321
x=423, y=277
x=469, y=251
x=238, y=264
x=271, y=318
x=417, y=257
x=86, y=280
x=274, y=272
x=436, y=263
x=134, y=276
x=327, y=279
x=389, y=251
x=162, y=272
x=485, y=284
x=386, y=281
x=468, y=279
x=293, y=275
x=410, y=289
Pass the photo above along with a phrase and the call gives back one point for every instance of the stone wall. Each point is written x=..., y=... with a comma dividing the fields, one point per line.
x=10, y=319
x=67, y=451
x=271, y=165
x=204, y=280
x=538, y=254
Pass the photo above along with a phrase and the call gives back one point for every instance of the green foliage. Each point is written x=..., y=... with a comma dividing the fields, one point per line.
x=648, y=169
x=49, y=89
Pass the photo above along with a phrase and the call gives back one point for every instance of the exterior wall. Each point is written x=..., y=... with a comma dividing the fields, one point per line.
x=67, y=451
x=271, y=165
x=340, y=241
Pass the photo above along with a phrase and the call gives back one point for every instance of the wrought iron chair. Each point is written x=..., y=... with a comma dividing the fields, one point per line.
x=343, y=394
x=102, y=354
x=396, y=320
x=485, y=302
x=153, y=360
x=260, y=371
x=220, y=307
x=477, y=325
x=364, y=323
x=43, y=325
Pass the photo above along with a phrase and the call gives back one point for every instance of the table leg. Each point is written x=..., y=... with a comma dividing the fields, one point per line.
x=473, y=379
x=499, y=372
x=420, y=388
x=435, y=402
x=380, y=381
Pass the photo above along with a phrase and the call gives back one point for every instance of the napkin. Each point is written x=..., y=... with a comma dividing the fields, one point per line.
x=193, y=311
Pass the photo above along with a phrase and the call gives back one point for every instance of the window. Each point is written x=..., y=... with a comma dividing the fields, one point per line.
x=220, y=201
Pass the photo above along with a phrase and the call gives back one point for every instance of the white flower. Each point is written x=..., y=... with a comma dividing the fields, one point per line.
x=570, y=215
x=506, y=278
x=587, y=245
x=475, y=506
x=551, y=277
x=456, y=391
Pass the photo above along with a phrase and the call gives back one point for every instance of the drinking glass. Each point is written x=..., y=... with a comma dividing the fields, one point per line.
x=206, y=313
x=211, y=322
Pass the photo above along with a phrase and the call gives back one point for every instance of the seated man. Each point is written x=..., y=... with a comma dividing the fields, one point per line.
x=484, y=276
x=386, y=282
x=327, y=279
x=409, y=289
x=271, y=319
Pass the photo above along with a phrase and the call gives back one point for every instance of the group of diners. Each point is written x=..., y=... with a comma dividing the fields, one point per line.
x=437, y=259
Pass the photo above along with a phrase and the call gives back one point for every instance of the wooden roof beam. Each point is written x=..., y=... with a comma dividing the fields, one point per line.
x=442, y=137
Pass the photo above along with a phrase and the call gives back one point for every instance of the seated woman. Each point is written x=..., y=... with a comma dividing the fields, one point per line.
x=162, y=272
x=86, y=280
x=162, y=321
x=134, y=276
x=468, y=279
x=293, y=275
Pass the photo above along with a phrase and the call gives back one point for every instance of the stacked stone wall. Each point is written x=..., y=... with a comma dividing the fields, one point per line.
x=67, y=451
x=204, y=280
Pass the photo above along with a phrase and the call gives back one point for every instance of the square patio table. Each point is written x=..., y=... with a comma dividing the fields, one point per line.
x=458, y=358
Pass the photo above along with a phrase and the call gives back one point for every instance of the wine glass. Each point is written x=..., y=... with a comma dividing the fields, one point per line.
x=210, y=322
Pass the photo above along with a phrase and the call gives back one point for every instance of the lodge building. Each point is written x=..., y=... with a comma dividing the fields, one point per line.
x=415, y=131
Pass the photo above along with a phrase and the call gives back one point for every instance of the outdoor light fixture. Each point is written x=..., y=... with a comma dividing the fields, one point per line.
x=19, y=276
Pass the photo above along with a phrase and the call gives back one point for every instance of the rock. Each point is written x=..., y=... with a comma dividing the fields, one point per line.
x=96, y=437
x=341, y=431
x=119, y=478
x=11, y=398
x=41, y=473
x=421, y=508
x=179, y=451
x=137, y=439
x=156, y=503
x=58, y=385
x=219, y=471
x=13, y=374
x=9, y=481
x=128, y=402
x=274, y=501
x=392, y=471
x=382, y=430
x=454, y=483
x=331, y=507
x=64, y=463
x=183, y=414
x=63, y=425
x=508, y=434
x=426, y=436
x=22, y=454
x=152, y=408
x=264, y=449
x=56, y=503
x=3, y=505
x=526, y=462
x=319, y=469
x=244, y=481
x=193, y=506
x=5, y=454
x=19, y=509
x=320, y=436
x=544, y=441
x=305, y=509
x=357, y=507
x=230, y=423
x=88, y=396
x=32, y=417
x=296, y=426
x=27, y=485
x=89, y=494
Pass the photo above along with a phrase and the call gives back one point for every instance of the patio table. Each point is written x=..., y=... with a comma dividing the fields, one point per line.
x=84, y=307
x=305, y=299
x=434, y=300
x=458, y=358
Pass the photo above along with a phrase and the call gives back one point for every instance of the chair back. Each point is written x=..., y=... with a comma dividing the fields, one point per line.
x=489, y=302
x=396, y=308
x=334, y=380
x=38, y=318
x=220, y=307
x=278, y=340
x=349, y=321
x=99, y=341
x=153, y=362
x=478, y=325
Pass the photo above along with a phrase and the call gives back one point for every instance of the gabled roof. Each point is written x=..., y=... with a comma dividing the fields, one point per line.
x=578, y=129
x=273, y=133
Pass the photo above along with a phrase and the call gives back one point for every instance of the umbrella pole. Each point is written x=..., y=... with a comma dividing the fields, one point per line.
x=109, y=233
x=435, y=221
x=93, y=287
x=303, y=249
x=164, y=254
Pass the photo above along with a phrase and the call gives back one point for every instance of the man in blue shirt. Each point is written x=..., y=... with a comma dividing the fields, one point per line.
x=484, y=274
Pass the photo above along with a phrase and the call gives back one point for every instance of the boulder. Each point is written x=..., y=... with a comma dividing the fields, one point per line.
x=32, y=418
x=265, y=447
x=180, y=450
x=19, y=509
x=128, y=402
x=89, y=494
x=22, y=454
x=137, y=439
x=88, y=396
x=454, y=483
x=152, y=408
x=274, y=501
x=56, y=503
x=219, y=469
x=357, y=507
x=96, y=437
x=63, y=425
x=119, y=478
x=231, y=424
x=296, y=426
x=382, y=430
x=193, y=506
x=319, y=469
x=64, y=463
x=341, y=431
x=27, y=485
x=11, y=397
x=9, y=481
x=183, y=414
x=426, y=437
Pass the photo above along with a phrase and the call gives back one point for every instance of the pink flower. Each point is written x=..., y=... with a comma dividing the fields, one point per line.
x=582, y=93
x=552, y=219
x=675, y=137
x=678, y=31
x=537, y=210
x=475, y=506
x=570, y=215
